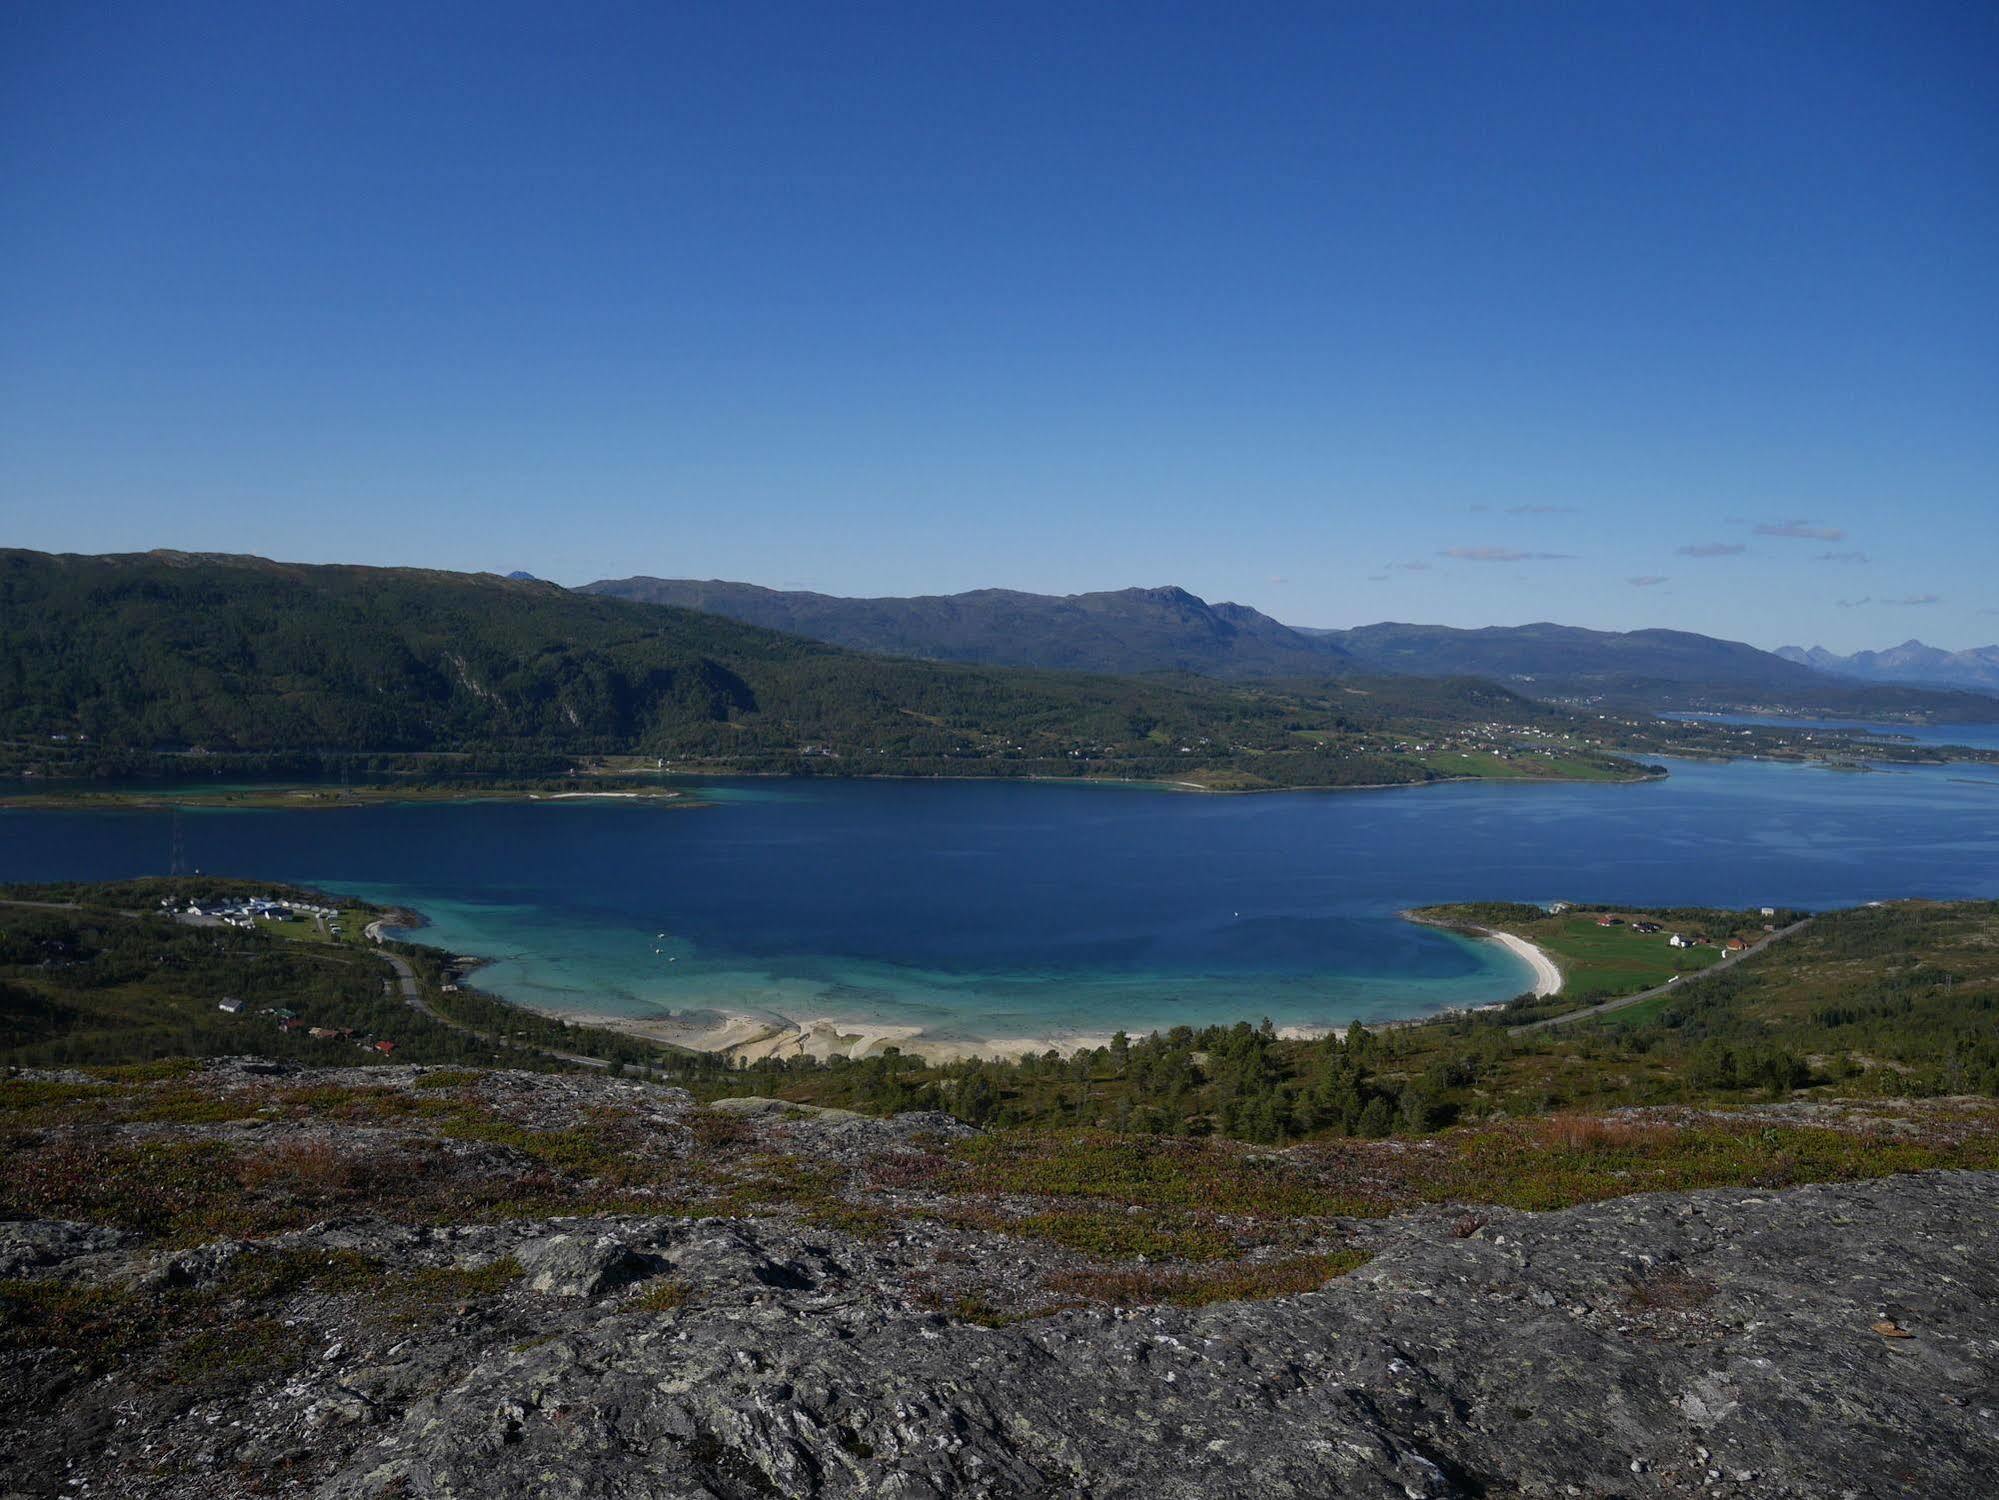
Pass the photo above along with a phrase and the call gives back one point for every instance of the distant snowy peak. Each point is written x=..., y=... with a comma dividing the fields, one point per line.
x=1816, y=656
x=1910, y=662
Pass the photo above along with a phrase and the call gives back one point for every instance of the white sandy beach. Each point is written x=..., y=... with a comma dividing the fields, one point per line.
x=755, y=1038
x=1547, y=974
x=1547, y=977
x=647, y=796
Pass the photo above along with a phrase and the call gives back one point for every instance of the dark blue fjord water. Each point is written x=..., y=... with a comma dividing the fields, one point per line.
x=989, y=910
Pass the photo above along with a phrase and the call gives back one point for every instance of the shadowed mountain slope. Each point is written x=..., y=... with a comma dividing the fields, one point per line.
x=176, y=654
x=1169, y=629
x=1125, y=630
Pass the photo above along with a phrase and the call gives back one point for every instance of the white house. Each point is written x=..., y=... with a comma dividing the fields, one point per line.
x=1676, y=941
x=231, y=1006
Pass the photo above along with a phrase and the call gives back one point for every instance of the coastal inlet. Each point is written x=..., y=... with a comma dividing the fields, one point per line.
x=994, y=916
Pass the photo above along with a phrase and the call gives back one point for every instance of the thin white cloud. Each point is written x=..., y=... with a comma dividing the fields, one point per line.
x=1646, y=581
x=1916, y=599
x=1377, y=578
x=1712, y=549
x=1841, y=557
x=1802, y=530
x=1410, y=567
x=1540, y=510
x=1854, y=603
x=1501, y=554
x=1279, y=578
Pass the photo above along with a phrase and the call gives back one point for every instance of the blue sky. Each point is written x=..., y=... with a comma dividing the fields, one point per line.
x=1458, y=313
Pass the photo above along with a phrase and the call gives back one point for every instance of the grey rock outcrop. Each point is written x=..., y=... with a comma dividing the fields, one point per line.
x=1818, y=1341
x=582, y=1265
x=1719, y=1342
x=29, y=1245
x=802, y=1302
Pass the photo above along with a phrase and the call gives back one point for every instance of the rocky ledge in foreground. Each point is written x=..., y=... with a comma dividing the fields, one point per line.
x=1810, y=1341
x=1818, y=1341
x=1664, y=1344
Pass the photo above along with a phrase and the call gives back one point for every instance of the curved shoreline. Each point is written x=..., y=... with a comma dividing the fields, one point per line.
x=765, y=1035
x=1385, y=786
x=65, y=795
x=761, y=1038
x=1547, y=973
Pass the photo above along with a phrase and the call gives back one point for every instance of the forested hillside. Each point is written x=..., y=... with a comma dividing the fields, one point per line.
x=174, y=653
x=240, y=653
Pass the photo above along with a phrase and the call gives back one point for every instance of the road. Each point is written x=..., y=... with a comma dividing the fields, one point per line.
x=406, y=980
x=412, y=991
x=1624, y=1001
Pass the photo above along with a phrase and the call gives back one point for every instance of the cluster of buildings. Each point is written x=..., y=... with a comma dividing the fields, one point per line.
x=248, y=911
x=288, y=1022
x=1677, y=939
x=1702, y=940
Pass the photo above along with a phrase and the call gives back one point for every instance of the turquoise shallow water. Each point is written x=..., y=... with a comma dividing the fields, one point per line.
x=563, y=961
x=980, y=910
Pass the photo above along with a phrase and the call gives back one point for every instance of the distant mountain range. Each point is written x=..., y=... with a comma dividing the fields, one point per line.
x=1910, y=662
x=1124, y=631
x=175, y=660
x=1172, y=630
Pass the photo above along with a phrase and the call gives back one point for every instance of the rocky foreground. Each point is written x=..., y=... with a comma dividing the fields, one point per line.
x=1817, y=1340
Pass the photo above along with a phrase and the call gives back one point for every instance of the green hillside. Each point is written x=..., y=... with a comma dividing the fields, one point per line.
x=160, y=655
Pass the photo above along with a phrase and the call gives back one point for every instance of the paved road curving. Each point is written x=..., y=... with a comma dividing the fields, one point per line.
x=1622, y=1001
x=412, y=990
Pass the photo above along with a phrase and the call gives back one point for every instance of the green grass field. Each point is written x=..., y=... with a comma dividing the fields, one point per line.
x=298, y=930
x=1486, y=763
x=1601, y=963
